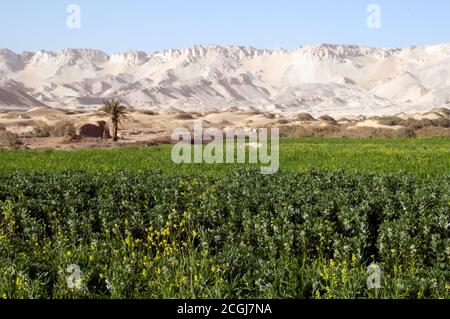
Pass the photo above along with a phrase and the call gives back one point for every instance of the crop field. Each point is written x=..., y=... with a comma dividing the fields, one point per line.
x=419, y=157
x=342, y=219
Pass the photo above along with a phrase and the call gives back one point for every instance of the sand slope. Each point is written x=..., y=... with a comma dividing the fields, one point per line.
x=338, y=80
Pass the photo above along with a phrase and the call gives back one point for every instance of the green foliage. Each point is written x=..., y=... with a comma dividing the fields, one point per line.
x=243, y=235
x=116, y=113
x=419, y=157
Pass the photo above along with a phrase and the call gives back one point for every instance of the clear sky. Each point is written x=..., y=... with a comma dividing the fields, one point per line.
x=149, y=25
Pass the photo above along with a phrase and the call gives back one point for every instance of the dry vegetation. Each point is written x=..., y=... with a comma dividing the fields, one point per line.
x=148, y=112
x=433, y=132
x=60, y=129
x=183, y=116
x=9, y=140
x=304, y=117
x=44, y=128
x=337, y=131
x=414, y=123
x=390, y=127
x=328, y=119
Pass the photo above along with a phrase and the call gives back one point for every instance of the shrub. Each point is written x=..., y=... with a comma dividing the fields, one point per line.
x=443, y=122
x=328, y=119
x=8, y=139
x=196, y=114
x=225, y=122
x=184, y=116
x=41, y=130
x=414, y=124
x=63, y=128
x=372, y=132
x=433, y=132
x=406, y=132
x=309, y=131
x=304, y=117
x=390, y=120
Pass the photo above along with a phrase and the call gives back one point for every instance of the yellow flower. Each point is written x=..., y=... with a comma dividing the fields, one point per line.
x=68, y=253
x=128, y=241
x=4, y=296
x=91, y=258
x=166, y=232
x=194, y=234
x=20, y=283
x=317, y=294
x=354, y=259
x=344, y=275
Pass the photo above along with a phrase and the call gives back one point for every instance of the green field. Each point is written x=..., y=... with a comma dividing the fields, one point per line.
x=128, y=223
x=420, y=157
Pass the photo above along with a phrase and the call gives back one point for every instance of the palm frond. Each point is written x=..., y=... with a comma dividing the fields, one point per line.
x=114, y=109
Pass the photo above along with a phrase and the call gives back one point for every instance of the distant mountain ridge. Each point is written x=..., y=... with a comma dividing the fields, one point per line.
x=320, y=79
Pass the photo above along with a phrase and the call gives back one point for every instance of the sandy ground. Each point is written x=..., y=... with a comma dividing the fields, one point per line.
x=139, y=129
x=147, y=129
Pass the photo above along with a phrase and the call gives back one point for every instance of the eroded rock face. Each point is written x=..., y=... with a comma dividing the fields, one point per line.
x=99, y=130
x=337, y=80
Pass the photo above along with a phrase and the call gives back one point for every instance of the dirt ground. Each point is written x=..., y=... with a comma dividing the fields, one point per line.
x=147, y=128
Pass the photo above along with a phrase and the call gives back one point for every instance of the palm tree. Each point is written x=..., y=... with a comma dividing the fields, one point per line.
x=116, y=112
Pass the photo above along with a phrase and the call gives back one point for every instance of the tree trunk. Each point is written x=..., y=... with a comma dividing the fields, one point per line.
x=115, y=129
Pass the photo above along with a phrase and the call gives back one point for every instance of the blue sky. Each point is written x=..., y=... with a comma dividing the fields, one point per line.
x=114, y=25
